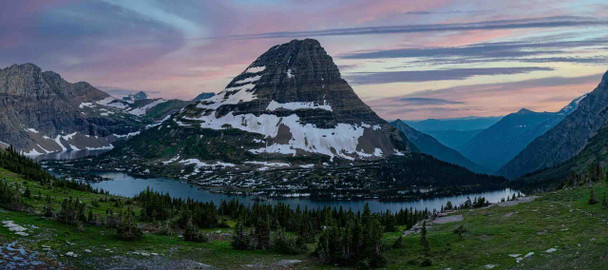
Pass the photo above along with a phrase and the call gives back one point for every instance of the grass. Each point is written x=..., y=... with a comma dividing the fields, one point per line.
x=562, y=220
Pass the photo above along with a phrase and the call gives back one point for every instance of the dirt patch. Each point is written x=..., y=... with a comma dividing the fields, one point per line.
x=517, y=201
x=510, y=214
x=448, y=219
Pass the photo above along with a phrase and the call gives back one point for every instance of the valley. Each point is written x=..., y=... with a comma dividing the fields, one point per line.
x=557, y=230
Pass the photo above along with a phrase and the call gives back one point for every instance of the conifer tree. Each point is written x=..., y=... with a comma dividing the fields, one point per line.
x=593, y=197
x=423, y=241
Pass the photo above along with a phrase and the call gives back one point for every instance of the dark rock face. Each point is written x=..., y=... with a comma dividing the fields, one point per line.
x=301, y=71
x=567, y=138
x=295, y=103
x=204, y=95
x=141, y=95
x=430, y=146
x=36, y=104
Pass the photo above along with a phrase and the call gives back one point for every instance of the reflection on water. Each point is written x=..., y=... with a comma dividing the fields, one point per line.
x=124, y=185
x=69, y=155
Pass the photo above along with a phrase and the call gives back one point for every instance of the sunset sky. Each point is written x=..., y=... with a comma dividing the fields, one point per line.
x=406, y=59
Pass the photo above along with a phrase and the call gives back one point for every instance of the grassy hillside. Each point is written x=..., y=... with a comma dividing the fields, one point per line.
x=561, y=229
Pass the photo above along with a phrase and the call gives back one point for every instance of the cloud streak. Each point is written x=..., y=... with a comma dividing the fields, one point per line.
x=417, y=101
x=435, y=75
x=542, y=22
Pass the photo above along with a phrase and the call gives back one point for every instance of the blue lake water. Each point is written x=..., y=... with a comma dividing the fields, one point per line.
x=125, y=185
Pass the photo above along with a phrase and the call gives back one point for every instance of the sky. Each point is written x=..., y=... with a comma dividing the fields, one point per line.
x=406, y=59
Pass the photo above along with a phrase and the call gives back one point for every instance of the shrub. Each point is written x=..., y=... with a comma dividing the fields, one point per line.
x=192, y=233
x=127, y=229
x=593, y=198
x=285, y=244
x=398, y=243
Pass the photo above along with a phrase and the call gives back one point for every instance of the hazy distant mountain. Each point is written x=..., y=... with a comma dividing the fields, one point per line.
x=454, y=132
x=499, y=143
x=430, y=146
x=204, y=95
x=464, y=123
x=567, y=138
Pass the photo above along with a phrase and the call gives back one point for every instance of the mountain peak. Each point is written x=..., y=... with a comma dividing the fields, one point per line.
x=525, y=111
x=294, y=97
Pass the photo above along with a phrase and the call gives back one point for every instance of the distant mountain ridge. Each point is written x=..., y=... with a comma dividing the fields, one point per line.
x=567, y=138
x=430, y=146
x=454, y=132
x=498, y=144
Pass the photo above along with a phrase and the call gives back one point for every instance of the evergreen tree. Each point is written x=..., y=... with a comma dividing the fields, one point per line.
x=460, y=231
x=593, y=197
x=127, y=229
x=240, y=240
x=423, y=241
x=398, y=243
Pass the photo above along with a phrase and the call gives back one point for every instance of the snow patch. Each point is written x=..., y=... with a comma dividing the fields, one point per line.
x=298, y=106
x=257, y=69
x=86, y=104
x=269, y=164
x=248, y=80
x=144, y=109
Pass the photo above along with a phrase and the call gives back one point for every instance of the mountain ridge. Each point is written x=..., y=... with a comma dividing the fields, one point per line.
x=431, y=146
x=567, y=138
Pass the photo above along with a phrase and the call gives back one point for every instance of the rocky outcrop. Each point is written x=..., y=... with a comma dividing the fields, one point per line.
x=204, y=95
x=567, y=138
x=141, y=95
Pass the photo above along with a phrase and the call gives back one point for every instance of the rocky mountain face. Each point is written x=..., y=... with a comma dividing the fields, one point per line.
x=42, y=113
x=496, y=145
x=595, y=152
x=567, y=138
x=430, y=146
x=141, y=95
x=290, y=104
x=204, y=95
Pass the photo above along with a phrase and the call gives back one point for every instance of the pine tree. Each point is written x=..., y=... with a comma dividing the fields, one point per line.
x=593, y=197
x=128, y=229
x=398, y=243
x=262, y=234
x=240, y=240
x=423, y=241
x=460, y=231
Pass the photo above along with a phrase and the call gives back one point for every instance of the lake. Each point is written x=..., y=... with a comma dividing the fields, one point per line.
x=125, y=185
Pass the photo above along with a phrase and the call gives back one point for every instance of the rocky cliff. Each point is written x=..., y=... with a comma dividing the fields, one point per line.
x=42, y=113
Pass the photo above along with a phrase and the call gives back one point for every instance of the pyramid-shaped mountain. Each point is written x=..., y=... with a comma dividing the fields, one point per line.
x=291, y=102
